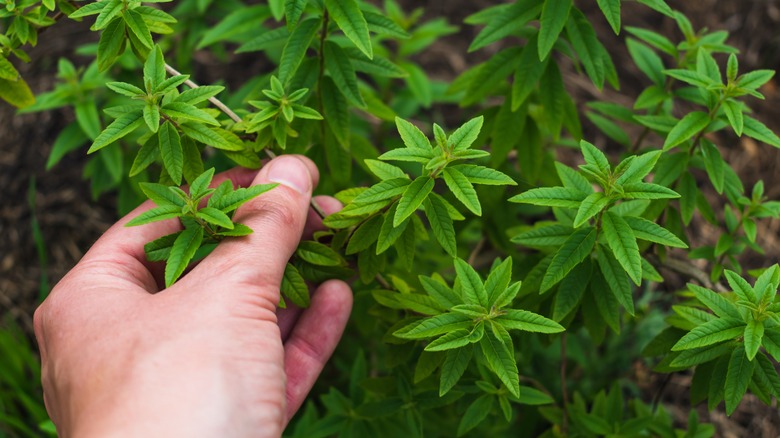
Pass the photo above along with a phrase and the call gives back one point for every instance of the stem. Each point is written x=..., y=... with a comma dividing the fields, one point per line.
x=321, y=73
x=216, y=102
x=660, y=392
x=477, y=249
x=565, y=425
x=225, y=109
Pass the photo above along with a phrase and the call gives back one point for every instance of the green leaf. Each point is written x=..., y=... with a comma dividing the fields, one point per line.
x=765, y=371
x=88, y=9
x=382, y=25
x=553, y=19
x=715, y=302
x=734, y=115
x=389, y=234
x=611, y=11
x=158, y=250
x=294, y=287
x=460, y=186
x=741, y=287
x=194, y=96
x=186, y=111
x=476, y=413
x=550, y=197
x=161, y=194
x=757, y=130
x=713, y=332
x=381, y=191
x=647, y=230
x=754, y=334
x=690, y=77
x=592, y=205
x=439, y=291
x=571, y=291
x=576, y=248
x=452, y=340
x=501, y=360
x=215, y=217
x=492, y=75
x=295, y=48
x=528, y=321
x=201, y=183
x=154, y=68
x=412, y=198
x=336, y=110
x=698, y=356
x=648, y=191
x=111, y=44
x=156, y=214
x=466, y=134
x=607, y=311
x=118, y=129
x=453, y=367
x=441, y=223
x=528, y=72
x=137, y=25
x=647, y=60
x=654, y=39
x=594, y=157
x=687, y=128
x=182, y=251
x=342, y=72
x=239, y=21
x=152, y=116
x=365, y=235
x=498, y=280
x=318, y=254
x=639, y=168
x=511, y=19
x=226, y=199
x=171, y=151
x=740, y=372
x=587, y=46
x=109, y=12
x=473, y=288
x=214, y=137
x=69, y=139
x=616, y=278
x=265, y=40
x=714, y=164
x=621, y=240
x=434, y=326
x=239, y=230
x=350, y=19
x=550, y=235
x=412, y=137
x=125, y=89
x=755, y=79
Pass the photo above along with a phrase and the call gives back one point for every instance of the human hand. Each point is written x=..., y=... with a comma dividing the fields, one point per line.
x=209, y=356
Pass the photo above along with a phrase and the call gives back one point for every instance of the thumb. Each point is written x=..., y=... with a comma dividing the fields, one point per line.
x=256, y=262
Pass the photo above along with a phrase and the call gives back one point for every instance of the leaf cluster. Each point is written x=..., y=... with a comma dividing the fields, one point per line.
x=204, y=221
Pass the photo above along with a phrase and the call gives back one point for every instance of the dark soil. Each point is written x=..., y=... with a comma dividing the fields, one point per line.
x=70, y=220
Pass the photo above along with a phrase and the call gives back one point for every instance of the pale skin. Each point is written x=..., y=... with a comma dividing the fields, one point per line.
x=209, y=356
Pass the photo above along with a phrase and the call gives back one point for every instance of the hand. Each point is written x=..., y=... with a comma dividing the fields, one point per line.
x=209, y=356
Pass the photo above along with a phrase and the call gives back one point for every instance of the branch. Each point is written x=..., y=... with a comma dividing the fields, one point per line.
x=230, y=113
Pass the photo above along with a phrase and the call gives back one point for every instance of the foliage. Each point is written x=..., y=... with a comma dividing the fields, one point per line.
x=445, y=340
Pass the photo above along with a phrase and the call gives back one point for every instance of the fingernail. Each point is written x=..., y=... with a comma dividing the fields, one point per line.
x=291, y=172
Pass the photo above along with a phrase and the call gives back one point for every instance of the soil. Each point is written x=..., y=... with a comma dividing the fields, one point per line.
x=70, y=220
